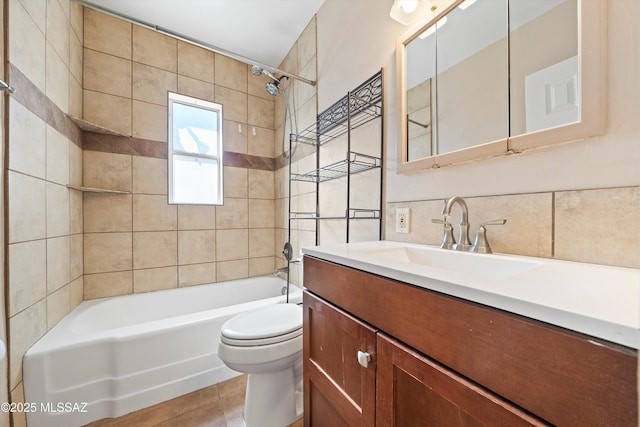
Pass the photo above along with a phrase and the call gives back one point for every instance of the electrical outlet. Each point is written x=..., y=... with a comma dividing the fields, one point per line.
x=403, y=220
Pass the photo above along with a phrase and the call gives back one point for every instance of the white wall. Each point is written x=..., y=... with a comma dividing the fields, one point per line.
x=357, y=37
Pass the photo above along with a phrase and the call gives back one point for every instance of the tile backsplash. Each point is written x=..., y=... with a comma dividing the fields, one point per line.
x=594, y=226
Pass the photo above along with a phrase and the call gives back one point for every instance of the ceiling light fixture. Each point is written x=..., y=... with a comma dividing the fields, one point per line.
x=407, y=12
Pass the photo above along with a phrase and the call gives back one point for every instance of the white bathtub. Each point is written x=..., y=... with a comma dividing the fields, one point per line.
x=113, y=356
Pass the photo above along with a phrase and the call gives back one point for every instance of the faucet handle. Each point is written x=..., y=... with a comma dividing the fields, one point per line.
x=481, y=244
x=448, y=241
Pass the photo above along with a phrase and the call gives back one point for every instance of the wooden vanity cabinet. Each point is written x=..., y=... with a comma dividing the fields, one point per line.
x=441, y=361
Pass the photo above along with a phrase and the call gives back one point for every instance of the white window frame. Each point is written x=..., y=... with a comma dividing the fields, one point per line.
x=206, y=105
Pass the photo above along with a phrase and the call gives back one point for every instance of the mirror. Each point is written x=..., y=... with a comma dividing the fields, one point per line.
x=490, y=77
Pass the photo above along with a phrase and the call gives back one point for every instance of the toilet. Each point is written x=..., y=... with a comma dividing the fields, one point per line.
x=266, y=343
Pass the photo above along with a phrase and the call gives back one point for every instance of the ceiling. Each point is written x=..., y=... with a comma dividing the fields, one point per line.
x=260, y=30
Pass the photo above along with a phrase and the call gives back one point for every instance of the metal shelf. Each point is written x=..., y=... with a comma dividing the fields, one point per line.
x=353, y=164
x=357, y=108
x=353, y=214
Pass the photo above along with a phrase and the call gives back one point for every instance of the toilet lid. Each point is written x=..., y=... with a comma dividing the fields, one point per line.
x=267, y=325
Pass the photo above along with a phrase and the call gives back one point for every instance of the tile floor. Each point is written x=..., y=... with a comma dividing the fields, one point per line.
x=220, y=405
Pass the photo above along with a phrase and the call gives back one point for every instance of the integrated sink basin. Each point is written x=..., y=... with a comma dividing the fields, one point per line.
x=597, y=300
x=488, y=266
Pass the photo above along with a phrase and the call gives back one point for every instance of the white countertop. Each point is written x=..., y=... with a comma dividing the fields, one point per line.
x=593, y=299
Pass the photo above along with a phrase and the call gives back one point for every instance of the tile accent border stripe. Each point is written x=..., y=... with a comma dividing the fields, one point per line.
x=37, y=102
x=158, y=149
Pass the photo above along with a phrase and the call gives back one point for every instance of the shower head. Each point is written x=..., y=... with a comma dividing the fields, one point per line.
x=257, y=70
x=273, y=88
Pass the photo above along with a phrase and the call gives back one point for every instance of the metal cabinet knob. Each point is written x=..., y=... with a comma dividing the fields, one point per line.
x=364, y=359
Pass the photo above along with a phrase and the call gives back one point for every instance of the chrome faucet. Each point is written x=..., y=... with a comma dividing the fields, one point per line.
x=464, y=244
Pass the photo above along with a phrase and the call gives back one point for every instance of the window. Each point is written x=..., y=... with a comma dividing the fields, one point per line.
x=195, y=151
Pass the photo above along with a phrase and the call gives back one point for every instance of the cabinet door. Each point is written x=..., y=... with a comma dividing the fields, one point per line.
x=338, y=390
x=416, y=391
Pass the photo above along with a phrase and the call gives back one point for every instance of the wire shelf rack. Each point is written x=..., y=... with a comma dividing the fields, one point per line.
x=353, y=164
x=357, y=108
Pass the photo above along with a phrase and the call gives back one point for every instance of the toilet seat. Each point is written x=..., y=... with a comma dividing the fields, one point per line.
x=268, y=325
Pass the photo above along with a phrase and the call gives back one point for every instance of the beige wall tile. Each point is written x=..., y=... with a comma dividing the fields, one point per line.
x=195, y=62
x=58, y=305
x=261, y=184
x=76, y=289
x=307, y=44
x=107, y=34
x=155, y=249
x=107, y=111
x=192, y=217
x=155, y=279
x=235, y=182
x=58, y=263
x=231, y=73
x=594, y=226
x=260, y=112
x=75, y=212
x=56, y=79
x=75, y=55
x=107, y=252
x=262, y=143
x=27, y=274
x=149, y=175
x=232, y=244
x=196, y=247
x=305, y=92
x=57, y=210
x=28, y=54
x=290, y=62
x=75, y=98
x=529, y=222
x=107, y=212
x=196, y=274
x=107, y=170
x=261, y=266
x=151, y=84
x=155, y=49
x=234, y=214
x=234, y=103
x=153, y=213
x=235, y=136
x=58, y=29
x=232, y=270
x=27, y=141
x=76, y=18
x=27, y=212
x=108, y=284
x=261, y=242
x=25, y=328
x=57, y=157
x=261, y=213
x=107, y=73
x=18, y=419
x=149, y=121
x=75, y=165
x=195, y=88
x=37, y=10
x=76, y=256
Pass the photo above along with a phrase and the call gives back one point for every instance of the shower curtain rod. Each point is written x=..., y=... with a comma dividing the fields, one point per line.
x=192, y=41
